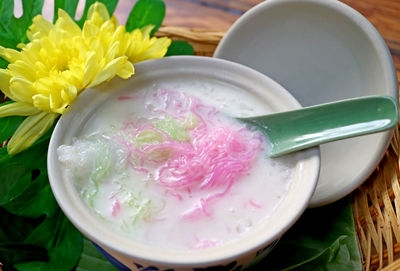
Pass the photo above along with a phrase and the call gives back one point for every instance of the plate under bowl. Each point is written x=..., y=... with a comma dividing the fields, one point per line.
x=320, y=51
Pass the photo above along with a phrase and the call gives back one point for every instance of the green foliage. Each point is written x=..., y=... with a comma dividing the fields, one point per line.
x=34, y=233
x=13, y=231
x=70, y=7
x=110, y=5
x=92, y=259
x=67, y=5
x=8, y=125
x=323, y=239
x=13, y=30
x=146, y=12
x=62, y=241
x=40, y=233
x=179, y=47
x=3, y=63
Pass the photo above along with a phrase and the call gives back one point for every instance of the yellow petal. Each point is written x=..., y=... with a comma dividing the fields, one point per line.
x=44, y=85
x=5, y=83
x=90, y=30
x=40, y=27
x=101, y=9
x=114, y=20
x=73, y=76
x=135, y=44
x=8, y=54
x=112, y=52
x=21, y=89
x=107, y=28
x=21, y=45
x=126, y=70
x=17, y=109
x=69, y=94
x=42, y=102
x=29, y=53
x=30, y=130
x=109, y=71
x=122, y=37
x=21, y=68
x=65, y=22
x=146, y=30
x=91, y=68
x=47, y=48
x=57, y=104
x=97, y=47
x=157, y=50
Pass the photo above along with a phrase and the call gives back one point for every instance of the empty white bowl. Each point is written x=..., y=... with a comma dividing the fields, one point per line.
x=320, y=51
x=131, y=254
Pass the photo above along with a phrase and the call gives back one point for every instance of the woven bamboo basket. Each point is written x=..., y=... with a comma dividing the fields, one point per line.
x=376, y=204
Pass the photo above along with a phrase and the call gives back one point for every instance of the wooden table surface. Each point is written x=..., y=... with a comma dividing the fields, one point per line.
x=220, y=14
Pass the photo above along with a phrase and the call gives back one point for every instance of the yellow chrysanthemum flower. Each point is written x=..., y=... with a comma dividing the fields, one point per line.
x=61, y=60
x=137, y=45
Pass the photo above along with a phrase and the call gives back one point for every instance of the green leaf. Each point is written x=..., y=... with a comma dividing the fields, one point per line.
x=13, y=30
x=3, y=63
x=68, y=5
x=179, y=47
x=8, y=125
x=110, y=5
x=30, y=9
x=10, y=253
x=15, y=178
x=15, y=228
x=25, y=191
x=13, y=231
x=56, y=234
x=91, y=259
x=146, y=12
x=323, y=239
x=62, y=241
x=16, y=171
x=7, y=21
x=35, y=201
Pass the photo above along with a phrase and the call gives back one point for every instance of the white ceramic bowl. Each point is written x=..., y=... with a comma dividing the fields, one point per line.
x=320, y=51
x=134, y=255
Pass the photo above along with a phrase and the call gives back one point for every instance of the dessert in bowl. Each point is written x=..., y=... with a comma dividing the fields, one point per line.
x=156, y=171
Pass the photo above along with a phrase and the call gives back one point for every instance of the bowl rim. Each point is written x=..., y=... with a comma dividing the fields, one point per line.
x=69, y=201
x=389, y=75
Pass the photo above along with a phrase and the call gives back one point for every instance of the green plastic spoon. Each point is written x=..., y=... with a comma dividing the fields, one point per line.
x=311, y=126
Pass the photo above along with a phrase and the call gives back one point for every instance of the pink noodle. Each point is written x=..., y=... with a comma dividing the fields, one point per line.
x=116, y=208
x=124, y=97
x=200, y=209
x=177, y=195
x=129, y=156
x=254, y=204
x=204, y=244
x=214, y=158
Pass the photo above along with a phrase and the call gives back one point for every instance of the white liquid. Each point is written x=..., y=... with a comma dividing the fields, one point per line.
x=124, y=197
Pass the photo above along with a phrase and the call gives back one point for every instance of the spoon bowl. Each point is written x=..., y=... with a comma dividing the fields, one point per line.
x=307, y=127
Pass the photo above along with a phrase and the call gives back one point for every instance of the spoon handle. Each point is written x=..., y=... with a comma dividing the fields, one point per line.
x=307, y=127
